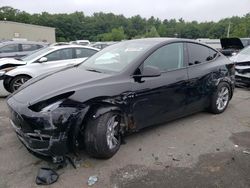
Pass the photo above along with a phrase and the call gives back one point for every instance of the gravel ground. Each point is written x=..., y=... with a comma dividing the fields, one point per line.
x=202, y=150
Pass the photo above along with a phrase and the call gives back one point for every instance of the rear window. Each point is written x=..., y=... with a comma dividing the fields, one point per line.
x=198, y=54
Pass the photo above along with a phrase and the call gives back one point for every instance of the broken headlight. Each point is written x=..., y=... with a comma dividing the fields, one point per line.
x=52, y=106
x=51, y=103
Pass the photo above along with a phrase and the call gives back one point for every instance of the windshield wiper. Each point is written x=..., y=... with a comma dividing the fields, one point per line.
x=94, y=70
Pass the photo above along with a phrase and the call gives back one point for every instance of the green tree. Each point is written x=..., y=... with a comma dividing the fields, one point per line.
x=152, y=33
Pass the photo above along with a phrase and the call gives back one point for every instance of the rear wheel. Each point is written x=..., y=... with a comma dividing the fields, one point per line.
x=102, y=135
x=18, y=81
x=220, y=98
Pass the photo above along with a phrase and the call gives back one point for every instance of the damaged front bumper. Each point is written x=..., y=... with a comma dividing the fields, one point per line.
x=242, y=74
x=42, y=144
x=45, y=134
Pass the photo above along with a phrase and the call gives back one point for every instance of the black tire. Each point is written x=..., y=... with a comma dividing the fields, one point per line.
x=95, y=136
x=214, y=108
x=13, y=83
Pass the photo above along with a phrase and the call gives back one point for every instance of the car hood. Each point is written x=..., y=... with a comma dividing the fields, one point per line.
x=50, y=85
x=9, y=62
x=240, y=58
x=231, y=43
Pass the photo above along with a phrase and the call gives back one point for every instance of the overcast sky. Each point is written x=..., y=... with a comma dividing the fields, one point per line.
x=200, y=10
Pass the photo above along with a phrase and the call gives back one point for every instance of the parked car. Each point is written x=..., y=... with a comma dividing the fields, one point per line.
x=101, y=45
x=231, y=46
x=242, y=67
x=17, y=49
x=81, y=42
x=214, y=43
x=14, y=73
x=123, y=88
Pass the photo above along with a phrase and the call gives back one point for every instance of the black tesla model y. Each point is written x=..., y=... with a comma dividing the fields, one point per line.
x=123, y=88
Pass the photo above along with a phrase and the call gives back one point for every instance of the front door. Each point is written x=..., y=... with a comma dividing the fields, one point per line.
x=159, y=99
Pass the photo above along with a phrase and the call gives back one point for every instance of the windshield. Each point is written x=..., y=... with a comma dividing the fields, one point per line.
x=245, y=51
x=35, y=54
x=117, y=57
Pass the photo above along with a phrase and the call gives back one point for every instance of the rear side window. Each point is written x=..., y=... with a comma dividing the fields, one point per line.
x=29, y=47
x=84, y=52
x=62, y=54
x=9, y=48
x=198, y=53
x=166, y=58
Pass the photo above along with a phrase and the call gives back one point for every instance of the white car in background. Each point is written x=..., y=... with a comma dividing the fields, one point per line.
x=14, y=73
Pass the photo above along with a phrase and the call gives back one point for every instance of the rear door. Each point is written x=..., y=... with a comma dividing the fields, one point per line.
x=203, y=68
x=159, y=99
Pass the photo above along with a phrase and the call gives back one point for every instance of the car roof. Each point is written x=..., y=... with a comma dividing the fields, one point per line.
x=163, y=41
x=73, y=46
x=159, y=40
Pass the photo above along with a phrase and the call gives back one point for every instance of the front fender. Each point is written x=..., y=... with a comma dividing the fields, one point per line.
x=97, y=112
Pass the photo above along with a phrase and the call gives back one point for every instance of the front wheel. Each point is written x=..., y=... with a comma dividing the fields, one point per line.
x=102, y=135
x=17, y=82
x=220, y=98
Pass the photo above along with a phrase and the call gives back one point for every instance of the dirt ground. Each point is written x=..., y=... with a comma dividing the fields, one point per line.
x=202, y=150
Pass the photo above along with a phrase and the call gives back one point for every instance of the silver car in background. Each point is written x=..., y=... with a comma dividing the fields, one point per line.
x=14, y=73
x=18, y=49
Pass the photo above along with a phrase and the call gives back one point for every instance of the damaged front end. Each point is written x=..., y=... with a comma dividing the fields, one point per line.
x=44, y=127
x=242, y=74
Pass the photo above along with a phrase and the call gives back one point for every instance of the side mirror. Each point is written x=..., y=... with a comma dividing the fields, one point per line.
x=148, y=71
x=43, y=59
x=151, y=71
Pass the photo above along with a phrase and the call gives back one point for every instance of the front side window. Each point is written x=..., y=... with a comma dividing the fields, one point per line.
x=167, y=58
x=84, y=52
x=9, y=48
x=198, y=54
x=62, y=54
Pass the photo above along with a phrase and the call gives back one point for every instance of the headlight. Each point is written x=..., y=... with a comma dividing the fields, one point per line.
x=2, y=73
x=51, y=103
x=8, y=69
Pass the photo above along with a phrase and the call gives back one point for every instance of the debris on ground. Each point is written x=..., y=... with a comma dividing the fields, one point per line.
x=236, y=145
x=46, y=176
x=174, y=159
x=87, y=164
x=92, y=180
x=246, y=152
x=171, y=147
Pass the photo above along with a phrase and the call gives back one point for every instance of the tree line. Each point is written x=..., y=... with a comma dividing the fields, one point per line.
x=110, y=27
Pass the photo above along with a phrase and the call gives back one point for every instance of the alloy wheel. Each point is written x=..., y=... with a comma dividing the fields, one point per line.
x=112, y=134
x=223, y=98
x=19, y=82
